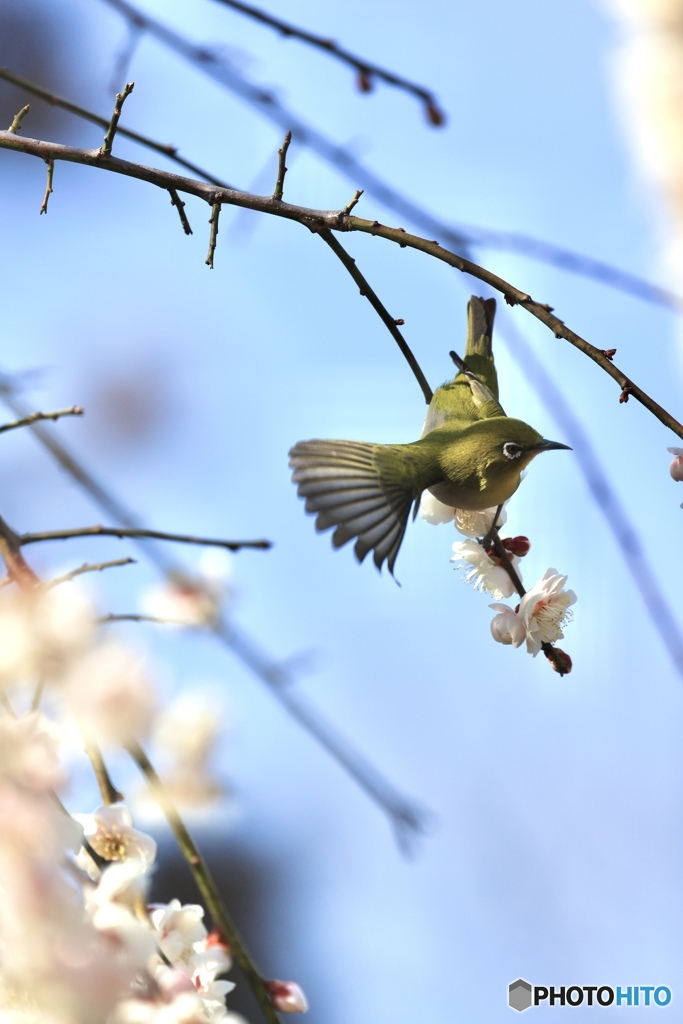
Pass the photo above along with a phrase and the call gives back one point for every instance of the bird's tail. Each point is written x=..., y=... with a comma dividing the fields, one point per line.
x=351, y=485
x=479, y=347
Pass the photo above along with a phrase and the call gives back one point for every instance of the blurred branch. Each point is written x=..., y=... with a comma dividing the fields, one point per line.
x=211, y=64
x=87, y=567
x=318, y=220
x=27, y=421
x=205, y=884
x=141, y=534
x=366, y=69
x=390, y=323
x=404, y=816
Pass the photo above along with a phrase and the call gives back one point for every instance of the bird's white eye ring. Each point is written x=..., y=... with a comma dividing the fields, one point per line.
x=512, y=450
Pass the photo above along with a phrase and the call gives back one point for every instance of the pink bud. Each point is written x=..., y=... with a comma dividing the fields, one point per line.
x=676, y=467
x=519, y=546
x=287, y=996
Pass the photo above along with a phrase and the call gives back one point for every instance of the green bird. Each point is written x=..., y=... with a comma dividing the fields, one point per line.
x=470, y=456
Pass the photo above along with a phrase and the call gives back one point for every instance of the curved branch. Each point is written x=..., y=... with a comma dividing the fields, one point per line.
x=338, y=220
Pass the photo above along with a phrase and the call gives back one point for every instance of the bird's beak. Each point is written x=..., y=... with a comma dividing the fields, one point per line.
x=548, y=446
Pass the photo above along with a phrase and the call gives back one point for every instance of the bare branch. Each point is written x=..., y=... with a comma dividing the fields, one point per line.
x=87, y=567
x=180, y=207
x=336, y=220
x=166, y=149
x=366, y=69
x=119, y=531
x=213, y=237
x=27, y=421
x=48, y=187
x=349, y=206
x=281, y=169
x=18, y=118
x=384, y=315
x=115, y=117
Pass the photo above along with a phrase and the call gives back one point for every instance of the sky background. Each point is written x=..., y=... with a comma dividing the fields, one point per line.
x=555, y=840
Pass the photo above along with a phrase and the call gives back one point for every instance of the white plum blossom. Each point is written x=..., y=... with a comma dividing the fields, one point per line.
x=544, y=610
x=507, y=626
x=467, y=522
x=676, y=467
x=109, y=830
x=434, y=511
x=485, y=573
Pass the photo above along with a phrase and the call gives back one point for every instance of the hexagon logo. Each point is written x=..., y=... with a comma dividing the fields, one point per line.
x=519, y=995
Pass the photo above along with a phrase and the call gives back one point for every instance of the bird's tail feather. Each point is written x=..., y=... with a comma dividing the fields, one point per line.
x=341, y=482
x=479, y=345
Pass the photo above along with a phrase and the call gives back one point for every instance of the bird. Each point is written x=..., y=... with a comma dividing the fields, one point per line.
x=470, y=456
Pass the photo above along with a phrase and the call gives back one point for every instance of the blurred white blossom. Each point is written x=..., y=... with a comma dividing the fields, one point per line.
x=470, y=524
x=648, y=71
x=676, y=467
x=111, y=694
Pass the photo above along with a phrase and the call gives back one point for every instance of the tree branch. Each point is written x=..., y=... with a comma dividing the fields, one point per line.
x=338, y=221
x=119, y=531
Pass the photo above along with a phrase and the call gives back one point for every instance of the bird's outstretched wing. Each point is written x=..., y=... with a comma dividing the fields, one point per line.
x=473, y=393
x=349, y=485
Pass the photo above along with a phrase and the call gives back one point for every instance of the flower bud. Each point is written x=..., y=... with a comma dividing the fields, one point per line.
x=435, y=115
x=519, y=546
x=676, y=467
x=560, y=661
x=287, y=996
x=364, y=81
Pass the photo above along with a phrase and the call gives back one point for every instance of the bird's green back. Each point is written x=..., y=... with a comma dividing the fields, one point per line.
x=460, y=402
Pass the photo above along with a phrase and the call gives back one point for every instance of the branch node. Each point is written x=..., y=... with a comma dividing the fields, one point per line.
x=626, y=392
x=281, y=169
x=609, y=353
x=121, y=97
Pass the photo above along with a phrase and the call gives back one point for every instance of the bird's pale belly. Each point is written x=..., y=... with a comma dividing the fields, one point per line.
x=473, y=498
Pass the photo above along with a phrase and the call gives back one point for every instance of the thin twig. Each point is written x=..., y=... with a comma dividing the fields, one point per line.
x=366, y=69
x=268, y=104
x=87, y=567
x=406, y=818
x=119, y=531
x=180, y=207
x=384, y=315
x=205, y=884
x=335, y=219
x=281, y=169
x=18, y=118
x=166, y=149
x=213, y=237
x=557, y=658
x=108, y=791
x=27, y=421
x=48, y=187
x=104, y=619
x=115, y=117
x=349, y=206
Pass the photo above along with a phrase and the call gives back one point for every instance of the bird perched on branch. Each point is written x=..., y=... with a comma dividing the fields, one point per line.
x=470, y=456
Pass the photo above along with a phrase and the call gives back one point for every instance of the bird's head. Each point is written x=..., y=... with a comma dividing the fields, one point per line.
x=507, y=446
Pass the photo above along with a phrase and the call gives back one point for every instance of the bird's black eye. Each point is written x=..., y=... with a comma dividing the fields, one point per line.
x=512, y=450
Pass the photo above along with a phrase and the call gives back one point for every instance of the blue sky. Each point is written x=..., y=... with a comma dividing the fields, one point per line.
x=555, y=848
